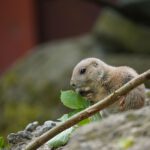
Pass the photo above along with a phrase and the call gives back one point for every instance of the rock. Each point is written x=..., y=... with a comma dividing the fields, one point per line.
x=118, y=33
x=128, y=130
x=45, y=127
x=20, y=139
x=49, y=123
x=32, y=126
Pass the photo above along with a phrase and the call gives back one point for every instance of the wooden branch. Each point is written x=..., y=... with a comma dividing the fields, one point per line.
x=89, y=111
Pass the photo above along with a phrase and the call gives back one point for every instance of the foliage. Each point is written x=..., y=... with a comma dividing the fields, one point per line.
x=74, y=101
x=61, y=139
x=3, y=145
x=13, y=114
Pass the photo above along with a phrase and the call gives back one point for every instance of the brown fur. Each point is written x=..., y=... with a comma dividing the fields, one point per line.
x=100, y=79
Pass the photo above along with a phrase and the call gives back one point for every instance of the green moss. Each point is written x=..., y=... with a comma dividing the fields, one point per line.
x=117, y=29
x=18, y=115
x=126, y=143
x=9, y=80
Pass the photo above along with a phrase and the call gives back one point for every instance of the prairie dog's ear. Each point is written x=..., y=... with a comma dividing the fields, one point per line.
x=95, y=64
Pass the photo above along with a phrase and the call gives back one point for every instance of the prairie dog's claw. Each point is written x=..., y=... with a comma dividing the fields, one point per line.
x=122, y=103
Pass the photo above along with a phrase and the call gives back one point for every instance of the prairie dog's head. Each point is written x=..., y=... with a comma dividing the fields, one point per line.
x=87, y=75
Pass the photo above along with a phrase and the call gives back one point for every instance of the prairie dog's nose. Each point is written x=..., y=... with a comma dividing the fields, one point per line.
x=72, y=84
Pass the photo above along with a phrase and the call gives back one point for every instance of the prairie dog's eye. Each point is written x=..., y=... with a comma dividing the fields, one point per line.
x=83, y=70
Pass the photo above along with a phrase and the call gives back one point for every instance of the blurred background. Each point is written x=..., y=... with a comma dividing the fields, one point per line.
x=42, y=40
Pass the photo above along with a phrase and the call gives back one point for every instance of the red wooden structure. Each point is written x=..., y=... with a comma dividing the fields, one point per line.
x=26, y=23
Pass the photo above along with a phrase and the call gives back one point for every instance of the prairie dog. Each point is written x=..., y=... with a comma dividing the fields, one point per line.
x=94, y=80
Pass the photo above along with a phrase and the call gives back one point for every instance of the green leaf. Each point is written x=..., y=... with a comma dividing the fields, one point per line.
x=96, y=117
x=84, y=122
x=73, y=100
x=67, y=116
x=77, y=102
x=63, y=118
x=60, y=139
x=74, y=112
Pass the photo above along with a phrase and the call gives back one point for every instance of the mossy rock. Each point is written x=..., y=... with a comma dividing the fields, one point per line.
x=117, y=32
